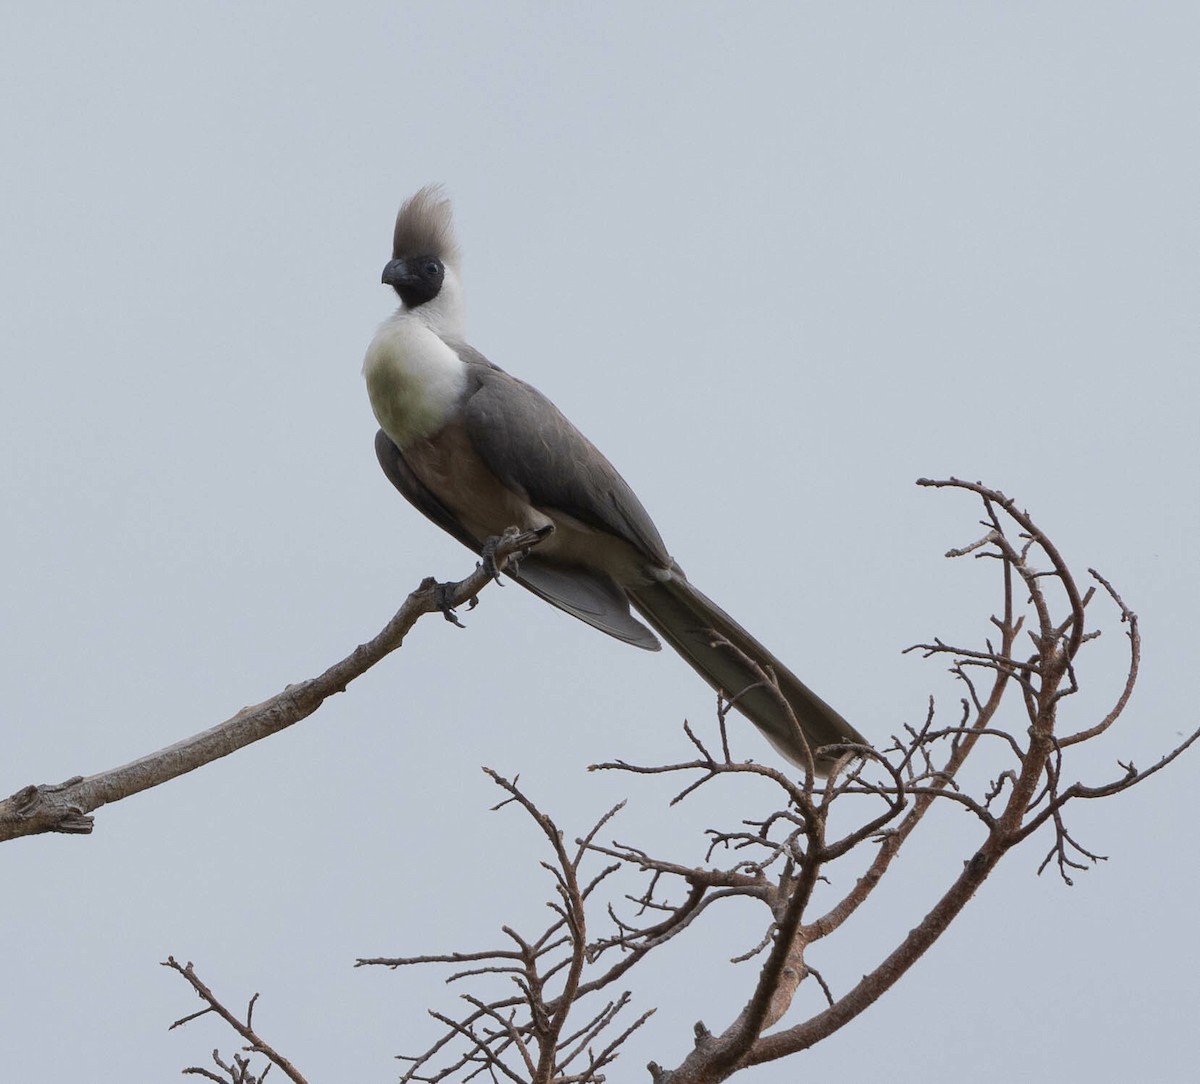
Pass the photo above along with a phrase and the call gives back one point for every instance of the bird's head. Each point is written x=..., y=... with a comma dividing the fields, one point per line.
x=424, y=268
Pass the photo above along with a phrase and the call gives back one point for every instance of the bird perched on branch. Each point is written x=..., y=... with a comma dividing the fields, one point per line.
x=478, y=451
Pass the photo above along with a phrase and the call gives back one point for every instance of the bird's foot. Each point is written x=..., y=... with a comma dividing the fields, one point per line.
x=443, y=594
x=528, y=539
x=488, y=553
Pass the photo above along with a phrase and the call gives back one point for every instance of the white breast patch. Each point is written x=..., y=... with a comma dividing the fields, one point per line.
x=413, y=378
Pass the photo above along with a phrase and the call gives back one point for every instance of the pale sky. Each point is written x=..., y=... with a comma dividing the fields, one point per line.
x=777, y=261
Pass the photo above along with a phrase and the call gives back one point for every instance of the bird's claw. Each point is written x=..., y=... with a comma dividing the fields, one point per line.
x=443, y=594
x=488, y=564
x=513, y=565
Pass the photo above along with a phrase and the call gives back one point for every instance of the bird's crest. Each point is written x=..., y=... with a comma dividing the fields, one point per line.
x=425, y=227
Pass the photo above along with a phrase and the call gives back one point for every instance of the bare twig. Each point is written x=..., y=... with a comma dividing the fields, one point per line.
x=254, y=1042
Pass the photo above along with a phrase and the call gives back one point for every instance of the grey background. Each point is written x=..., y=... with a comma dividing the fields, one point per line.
x=777, y=261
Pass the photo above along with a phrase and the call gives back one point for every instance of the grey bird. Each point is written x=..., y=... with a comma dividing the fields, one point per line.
x=477, y=451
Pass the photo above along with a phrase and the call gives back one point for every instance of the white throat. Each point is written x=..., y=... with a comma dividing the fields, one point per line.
x=445, y=314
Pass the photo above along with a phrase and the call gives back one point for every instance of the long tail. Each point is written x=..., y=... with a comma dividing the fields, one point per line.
x=687, y=619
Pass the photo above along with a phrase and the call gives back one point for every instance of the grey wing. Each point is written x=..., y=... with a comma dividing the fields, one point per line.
x=590, y=596
x=587, y=594
x=531, y=447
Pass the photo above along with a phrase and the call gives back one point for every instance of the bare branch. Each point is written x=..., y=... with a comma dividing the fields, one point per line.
x=527, y=1017
x=65, y=807
x=254, y=1042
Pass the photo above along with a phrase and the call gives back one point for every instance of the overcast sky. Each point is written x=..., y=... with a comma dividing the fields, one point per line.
x=777, y=261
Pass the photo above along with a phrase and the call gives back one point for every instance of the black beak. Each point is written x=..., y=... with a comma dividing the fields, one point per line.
x=397, y=274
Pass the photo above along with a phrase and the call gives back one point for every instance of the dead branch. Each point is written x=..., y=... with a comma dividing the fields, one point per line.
x=239, y=1071
x=66, y=807
x=779, y=858
x=544, y=1009
x=523, y=1036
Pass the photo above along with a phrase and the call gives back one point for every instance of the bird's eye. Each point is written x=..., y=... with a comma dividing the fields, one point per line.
x=431, y=268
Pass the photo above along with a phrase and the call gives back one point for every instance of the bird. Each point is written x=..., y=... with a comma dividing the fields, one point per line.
x=478, y=451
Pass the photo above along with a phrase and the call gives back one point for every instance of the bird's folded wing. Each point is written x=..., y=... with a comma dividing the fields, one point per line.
x=526, y=441
x=588, y=594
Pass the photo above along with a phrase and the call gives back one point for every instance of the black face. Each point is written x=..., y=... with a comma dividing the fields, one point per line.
x=416, y=279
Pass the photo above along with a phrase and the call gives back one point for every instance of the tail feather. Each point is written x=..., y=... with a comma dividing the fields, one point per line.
x=690, y=621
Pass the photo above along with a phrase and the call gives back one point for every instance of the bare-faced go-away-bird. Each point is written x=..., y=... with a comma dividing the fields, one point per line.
x=479, y=451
